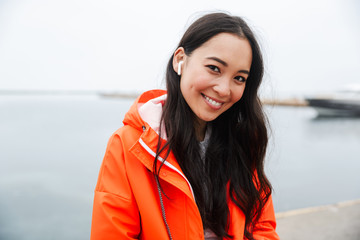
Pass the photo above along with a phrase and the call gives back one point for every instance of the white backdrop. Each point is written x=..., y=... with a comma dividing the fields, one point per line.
x=112, y=45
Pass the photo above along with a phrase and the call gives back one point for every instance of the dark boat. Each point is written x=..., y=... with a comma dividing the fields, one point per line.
x=343, y=103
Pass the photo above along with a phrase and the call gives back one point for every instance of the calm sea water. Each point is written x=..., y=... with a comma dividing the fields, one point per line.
x=51, y=149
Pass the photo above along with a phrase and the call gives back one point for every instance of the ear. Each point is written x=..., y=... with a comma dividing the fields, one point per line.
x=179, y=56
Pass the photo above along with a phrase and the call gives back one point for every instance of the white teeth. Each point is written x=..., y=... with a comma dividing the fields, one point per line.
x=212, y=101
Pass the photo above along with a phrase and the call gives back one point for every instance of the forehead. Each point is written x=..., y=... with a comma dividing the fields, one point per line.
x=227, y=46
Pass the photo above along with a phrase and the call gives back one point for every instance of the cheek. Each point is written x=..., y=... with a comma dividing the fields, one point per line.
x=202, y=83
x=194, y=81
x=201, y=80
x=237, y=94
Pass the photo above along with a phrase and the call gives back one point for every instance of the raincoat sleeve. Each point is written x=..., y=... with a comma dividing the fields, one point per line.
x=265, y=227
x=115, y=213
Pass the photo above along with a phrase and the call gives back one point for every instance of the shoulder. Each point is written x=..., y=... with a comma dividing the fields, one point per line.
x=125, y=136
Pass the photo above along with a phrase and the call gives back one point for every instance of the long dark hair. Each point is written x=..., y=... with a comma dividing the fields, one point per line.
x=234, y=158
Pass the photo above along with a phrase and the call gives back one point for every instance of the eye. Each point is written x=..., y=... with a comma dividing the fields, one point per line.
x=213, y=68
x=240, y=79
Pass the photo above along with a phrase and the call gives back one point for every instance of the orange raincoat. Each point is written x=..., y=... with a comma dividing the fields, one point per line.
x=126, y=202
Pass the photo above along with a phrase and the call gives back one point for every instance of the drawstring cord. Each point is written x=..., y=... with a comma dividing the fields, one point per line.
x=161, y=201
x=163, y=208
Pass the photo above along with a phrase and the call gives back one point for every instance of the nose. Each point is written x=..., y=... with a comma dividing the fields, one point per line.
x=222, y=87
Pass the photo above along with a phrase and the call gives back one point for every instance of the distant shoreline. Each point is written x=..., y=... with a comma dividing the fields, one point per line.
x=69, y=92
x=293, y=102
x=47, y=92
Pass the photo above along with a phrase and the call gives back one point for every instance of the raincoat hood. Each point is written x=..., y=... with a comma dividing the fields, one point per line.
x=146, y=110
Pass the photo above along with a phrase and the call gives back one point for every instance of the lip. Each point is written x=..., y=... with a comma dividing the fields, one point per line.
x=216, y=106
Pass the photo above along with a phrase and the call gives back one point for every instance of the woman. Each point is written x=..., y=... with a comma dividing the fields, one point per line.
x=189, y=162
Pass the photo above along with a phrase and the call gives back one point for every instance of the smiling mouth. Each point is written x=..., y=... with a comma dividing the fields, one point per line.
x=212, y=102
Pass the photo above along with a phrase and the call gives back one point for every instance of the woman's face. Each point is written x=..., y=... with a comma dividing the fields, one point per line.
x=213, y=77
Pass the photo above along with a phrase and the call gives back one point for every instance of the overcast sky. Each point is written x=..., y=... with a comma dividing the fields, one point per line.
x=113, y=45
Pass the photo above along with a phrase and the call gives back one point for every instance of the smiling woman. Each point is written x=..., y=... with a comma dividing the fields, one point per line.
x=189, y=162
x=214, y=76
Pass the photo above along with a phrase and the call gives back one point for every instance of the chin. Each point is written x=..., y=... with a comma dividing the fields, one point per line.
x=209, y=119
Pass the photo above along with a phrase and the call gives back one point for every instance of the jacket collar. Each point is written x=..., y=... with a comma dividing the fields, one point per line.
x=145, y=115
x=133, y=117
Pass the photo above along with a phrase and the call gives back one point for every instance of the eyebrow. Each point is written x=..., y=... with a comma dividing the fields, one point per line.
x=225, y=64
